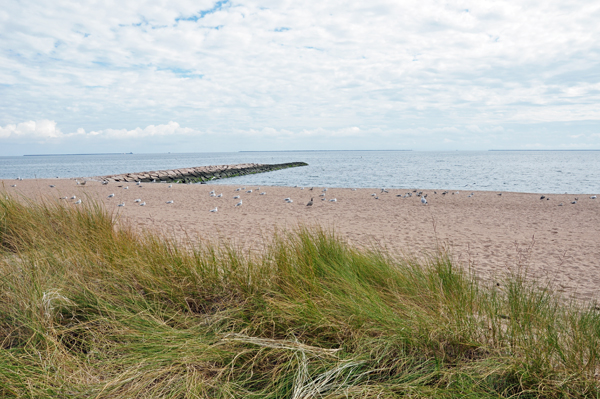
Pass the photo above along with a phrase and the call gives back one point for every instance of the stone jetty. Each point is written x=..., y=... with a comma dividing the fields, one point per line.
x=198, y=174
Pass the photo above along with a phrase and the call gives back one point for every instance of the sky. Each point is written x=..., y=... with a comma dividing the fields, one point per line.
x=204, y=76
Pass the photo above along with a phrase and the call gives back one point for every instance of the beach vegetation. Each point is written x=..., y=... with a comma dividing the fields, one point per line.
x=92, y=307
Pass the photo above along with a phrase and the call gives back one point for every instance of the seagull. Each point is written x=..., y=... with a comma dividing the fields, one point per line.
x=52, y=186
x=138, y=200
x=236, y=197
x=13, y=185
x=126, y=188
x=310, y=203
x=561, y=204
x=239, y=203
x=153, y=180
x=286, y=199
x=542, y=197
x=170, y=185
x=213, y=195
x=372, y=195
x=574, y=202
x=249, y=191
x=333, y=200
x=324, y=190
x=500, y=194
x=263, y=193
x=290, y=201
x=77, y=202
x=220, y=195
x=143, y=204
x=423, y=201
x=111, y=195
x=321, y=195
x=593, y=197
x=138, y=183
x=353, y=189
x=238, y=189
x=73, y=197
x=323, y=199
x=122, y=204
x=212, y=192
x=170, y=202
x=311, y=188
x=63, y=197
x=214, y=210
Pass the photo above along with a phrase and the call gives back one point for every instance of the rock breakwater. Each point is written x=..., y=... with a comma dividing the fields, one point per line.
x=199, y=174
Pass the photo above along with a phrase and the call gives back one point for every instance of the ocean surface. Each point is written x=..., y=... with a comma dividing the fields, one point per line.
x=520, y=171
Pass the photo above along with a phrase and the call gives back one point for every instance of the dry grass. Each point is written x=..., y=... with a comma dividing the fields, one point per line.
x=91, y=310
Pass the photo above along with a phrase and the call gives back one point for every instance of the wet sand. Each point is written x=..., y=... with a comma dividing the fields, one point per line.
x=491, y=233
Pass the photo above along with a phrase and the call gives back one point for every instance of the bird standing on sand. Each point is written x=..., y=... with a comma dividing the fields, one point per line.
x=122, y=204
x=77, y=202
x=170, y=202
x=143, y=204
x=111, y=195
x=126, y=188
x=333, y=200
x=239, y=203
x=220, y=195
x=423, y=201
x=170, y=185
x=310, y=203
x=214, y=210
x=593, y=197
x=13, y=185
x=73, y=197
x=263, y=193
x=236, y=197
x=138, y=200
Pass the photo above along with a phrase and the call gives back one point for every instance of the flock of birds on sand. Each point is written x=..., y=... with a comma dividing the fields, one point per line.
x=310, y=203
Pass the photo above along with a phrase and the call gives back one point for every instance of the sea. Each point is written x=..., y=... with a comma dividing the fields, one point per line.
x=549, y=172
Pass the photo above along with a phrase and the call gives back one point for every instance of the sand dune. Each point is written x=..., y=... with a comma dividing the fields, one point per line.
x=491, y=233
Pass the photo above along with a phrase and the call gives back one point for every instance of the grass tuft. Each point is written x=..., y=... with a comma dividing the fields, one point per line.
x=90, y=308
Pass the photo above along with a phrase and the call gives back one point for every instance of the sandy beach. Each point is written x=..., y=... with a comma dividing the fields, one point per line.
x=491, y=233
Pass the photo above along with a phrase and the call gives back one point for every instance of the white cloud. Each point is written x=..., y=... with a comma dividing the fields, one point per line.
x=39, y=130
x=285, y=69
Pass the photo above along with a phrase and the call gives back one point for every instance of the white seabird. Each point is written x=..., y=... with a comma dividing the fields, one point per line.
x=593, y=197
x=239, y=203
x=111, y=195
x=333, y=200
x=126, y=188
x=138, y=200
x=220, y=195
x=423, y=201
x=170, y=202
x=249, y=191
x=214, y=210
x=52, y=186
x=236, y=197
x=13, y=185
x=238, y=189
x=122, y=204
x=77, y=202
x=143, y=204
x=170, y=185
x=73, y=197
x=63, y=197
x=286, y=199
x=263, y=193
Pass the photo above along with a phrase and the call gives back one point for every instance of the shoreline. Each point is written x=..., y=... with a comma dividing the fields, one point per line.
x=492, y=234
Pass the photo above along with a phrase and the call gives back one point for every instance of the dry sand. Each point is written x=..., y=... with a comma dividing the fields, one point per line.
x=491, y=233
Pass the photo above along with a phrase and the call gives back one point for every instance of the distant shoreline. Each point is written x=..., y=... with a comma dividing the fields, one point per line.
x=71, y=155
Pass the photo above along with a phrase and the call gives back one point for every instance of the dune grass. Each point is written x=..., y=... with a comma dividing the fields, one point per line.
x=89, y=308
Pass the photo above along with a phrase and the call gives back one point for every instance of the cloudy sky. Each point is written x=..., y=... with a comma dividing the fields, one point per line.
x=194, y=76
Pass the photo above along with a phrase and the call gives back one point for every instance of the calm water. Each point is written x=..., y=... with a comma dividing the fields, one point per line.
x=541, y=172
